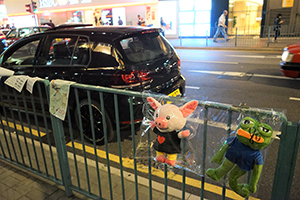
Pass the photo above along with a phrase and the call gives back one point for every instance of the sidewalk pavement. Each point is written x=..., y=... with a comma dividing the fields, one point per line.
x=247, y=43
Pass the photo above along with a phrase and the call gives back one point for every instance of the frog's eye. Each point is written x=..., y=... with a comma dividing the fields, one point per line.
x=265, y=130
x=168, y=117
x=156, y=114
x=247, y=121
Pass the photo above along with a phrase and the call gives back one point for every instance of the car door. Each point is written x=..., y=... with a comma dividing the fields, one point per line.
x=63, y=57
x=20, y=58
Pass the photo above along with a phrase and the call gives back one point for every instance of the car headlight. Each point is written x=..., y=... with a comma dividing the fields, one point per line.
x=287, y=56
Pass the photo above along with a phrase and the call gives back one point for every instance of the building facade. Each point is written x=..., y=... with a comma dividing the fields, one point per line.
x=181, y=18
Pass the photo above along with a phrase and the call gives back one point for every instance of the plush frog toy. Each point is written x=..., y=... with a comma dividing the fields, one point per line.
x=242, y=155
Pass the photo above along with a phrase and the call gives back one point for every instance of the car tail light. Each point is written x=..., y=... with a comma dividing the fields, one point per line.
x=135, y=77
x=125, y=79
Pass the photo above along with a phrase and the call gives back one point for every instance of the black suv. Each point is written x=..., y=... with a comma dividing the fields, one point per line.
x=131, y=58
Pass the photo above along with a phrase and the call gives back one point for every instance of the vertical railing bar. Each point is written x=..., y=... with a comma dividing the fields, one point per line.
x=73, y=146
x=62, y=154
x=106, y=143
x=82, y=137
x=9, y=132
x=2, y=126
x=40, y=139
x=133, y=146
x=38, y=131
x=204, y=151
x=21, y=123
x=5, y=115
x=183, y=170
x=166, y=180
x=47, y=128
x=94, y=141
x=119, y=142
x=229, y=121
x=149, y=164
x=30, y=131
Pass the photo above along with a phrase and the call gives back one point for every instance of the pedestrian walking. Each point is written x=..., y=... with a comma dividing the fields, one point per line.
x=96, y=20
x=141, y=21
x=277, y=26
x=162, y=26
x=120, y=22
x=221, y=27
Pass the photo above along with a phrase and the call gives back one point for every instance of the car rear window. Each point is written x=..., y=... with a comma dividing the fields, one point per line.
x=145, y=47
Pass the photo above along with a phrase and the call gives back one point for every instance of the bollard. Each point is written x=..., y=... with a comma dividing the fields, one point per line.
x=235, y=42
x=206, y=38
x=269, y=32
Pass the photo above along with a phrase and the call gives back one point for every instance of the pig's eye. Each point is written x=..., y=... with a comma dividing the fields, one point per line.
x=168, y=117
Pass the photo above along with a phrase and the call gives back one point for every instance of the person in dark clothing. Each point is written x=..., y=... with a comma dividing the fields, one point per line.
x=51, y=24
x=120, y=22
x=277, y=26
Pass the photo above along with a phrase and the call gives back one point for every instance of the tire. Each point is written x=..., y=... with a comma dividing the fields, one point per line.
x=98, y=122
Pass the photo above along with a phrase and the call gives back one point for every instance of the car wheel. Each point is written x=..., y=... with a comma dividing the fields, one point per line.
x=98, y=122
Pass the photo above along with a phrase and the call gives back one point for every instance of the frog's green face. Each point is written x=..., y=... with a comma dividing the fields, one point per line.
x=254, y=134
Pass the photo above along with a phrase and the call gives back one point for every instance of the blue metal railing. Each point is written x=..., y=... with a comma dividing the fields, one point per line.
x=25, y=141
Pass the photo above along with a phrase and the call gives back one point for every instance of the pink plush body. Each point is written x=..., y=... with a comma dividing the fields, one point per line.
x=170, y=118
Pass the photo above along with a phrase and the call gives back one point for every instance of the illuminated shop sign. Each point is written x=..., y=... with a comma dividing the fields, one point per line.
x=56, y=3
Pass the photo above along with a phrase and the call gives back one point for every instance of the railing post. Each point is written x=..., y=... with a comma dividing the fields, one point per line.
x=269, y=33
x=62, y=155
x=287, y=153
x=235, y=42
x=206, y=38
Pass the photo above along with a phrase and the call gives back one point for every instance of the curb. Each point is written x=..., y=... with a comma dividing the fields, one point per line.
x=273, y=49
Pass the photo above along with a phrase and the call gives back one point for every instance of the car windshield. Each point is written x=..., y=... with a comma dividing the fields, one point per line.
x=145, y=47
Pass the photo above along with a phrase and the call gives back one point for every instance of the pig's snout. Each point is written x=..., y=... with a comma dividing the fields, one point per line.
x=161, y=123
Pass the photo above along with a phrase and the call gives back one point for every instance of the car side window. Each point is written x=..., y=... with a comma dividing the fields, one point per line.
x=24, y=31
x=22, y=55
x=69, y=50
x=103, y=55
x=81, y=52
x=12, y=34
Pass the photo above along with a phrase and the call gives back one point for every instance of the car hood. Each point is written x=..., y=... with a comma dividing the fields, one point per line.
x=294, y=48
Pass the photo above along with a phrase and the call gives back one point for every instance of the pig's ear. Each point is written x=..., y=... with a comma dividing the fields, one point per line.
x=188, y=108
x=153, y=103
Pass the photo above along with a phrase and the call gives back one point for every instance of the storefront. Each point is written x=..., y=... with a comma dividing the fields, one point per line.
x=246, y=16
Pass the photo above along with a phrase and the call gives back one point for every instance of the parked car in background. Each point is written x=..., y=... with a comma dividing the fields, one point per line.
x=5, y=31
x=17, y=33
x=127, y=58
x=290, y=61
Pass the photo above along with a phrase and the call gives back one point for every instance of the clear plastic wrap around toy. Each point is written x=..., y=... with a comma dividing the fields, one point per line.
x=242, y=150
x=210, y=141
x=167, y=133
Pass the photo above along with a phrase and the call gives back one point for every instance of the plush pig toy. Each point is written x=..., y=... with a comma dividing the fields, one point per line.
x=168, y=122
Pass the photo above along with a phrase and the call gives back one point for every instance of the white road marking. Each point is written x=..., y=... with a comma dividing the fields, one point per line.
x=245, y=56
x=254, y=56
x=241, y=74
x=207, y=61
x=192, y=87
x=294, y=99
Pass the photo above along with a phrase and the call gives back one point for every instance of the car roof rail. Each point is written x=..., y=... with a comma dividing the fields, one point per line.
x=72, y=25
